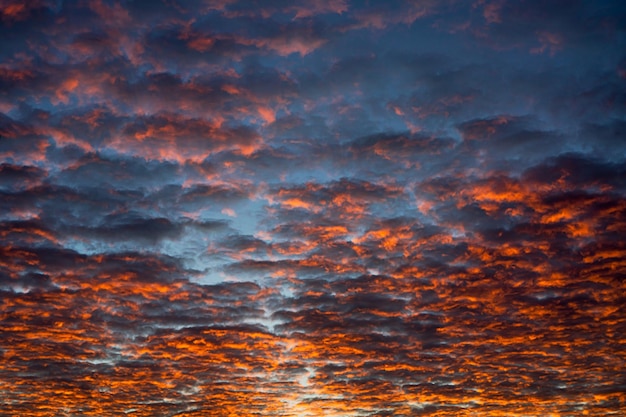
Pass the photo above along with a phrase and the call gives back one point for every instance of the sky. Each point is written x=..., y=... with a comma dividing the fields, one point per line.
x=312, y=208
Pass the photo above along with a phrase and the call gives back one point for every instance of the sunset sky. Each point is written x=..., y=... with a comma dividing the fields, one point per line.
x=312, y=208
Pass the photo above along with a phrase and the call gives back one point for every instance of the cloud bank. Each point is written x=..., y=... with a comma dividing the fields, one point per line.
x=312, y=208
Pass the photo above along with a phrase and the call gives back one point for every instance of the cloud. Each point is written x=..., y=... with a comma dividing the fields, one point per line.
x=311, y=208
x=14, y=176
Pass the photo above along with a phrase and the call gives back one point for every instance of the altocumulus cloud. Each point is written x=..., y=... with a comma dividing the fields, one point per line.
x=312, y=208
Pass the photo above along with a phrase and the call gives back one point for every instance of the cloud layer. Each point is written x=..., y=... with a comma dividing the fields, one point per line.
x=312, y=208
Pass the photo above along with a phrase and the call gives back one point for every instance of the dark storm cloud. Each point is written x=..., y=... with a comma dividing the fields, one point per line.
x=48, y=199
x=515, y=143
x=133, y=226
x=578, y=171
x=15, y=176
x=95, y=170
x=20, y=141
